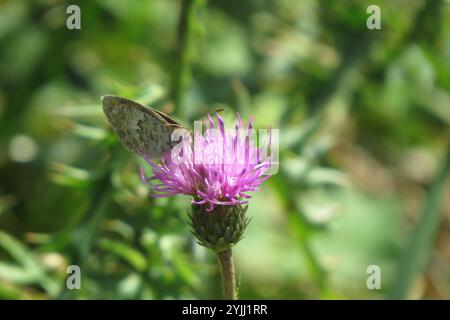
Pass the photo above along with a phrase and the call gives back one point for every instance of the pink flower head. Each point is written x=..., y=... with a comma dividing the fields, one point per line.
x=219, y=168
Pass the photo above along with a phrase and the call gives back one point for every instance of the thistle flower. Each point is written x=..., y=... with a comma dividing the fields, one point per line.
x=218, y=169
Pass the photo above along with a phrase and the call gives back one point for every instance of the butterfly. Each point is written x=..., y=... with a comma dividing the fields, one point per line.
x=143, y=130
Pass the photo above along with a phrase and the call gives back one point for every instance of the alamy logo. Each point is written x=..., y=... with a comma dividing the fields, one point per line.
x=200, y=149
x=73, y=22
x=74, y=279
x=374, y=280
x=374, y=20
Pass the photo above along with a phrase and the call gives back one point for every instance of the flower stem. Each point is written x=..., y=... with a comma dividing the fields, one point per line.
x=182, y=71
x=228, y=274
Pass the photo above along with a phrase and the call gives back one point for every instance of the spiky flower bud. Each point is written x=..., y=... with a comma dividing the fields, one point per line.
x=220, y=229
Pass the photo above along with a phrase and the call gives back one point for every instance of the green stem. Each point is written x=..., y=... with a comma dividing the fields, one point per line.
x=182, y=70
x=228, y=274
x=417, y=253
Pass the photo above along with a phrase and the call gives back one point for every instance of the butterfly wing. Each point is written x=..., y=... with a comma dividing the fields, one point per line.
x=169, y=120
x=142, y=130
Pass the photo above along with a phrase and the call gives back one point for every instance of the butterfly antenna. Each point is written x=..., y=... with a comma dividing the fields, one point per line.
x=173, y=125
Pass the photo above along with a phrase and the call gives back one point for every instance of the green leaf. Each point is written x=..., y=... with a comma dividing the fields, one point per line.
x=127, y=253
x=69, y=176
x=28, y=270
x=421, y=244
x=89, y=132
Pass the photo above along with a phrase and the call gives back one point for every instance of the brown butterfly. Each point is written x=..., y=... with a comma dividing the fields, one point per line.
x=144, y=130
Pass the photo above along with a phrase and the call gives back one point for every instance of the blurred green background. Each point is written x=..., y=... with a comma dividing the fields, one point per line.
x=364, y=132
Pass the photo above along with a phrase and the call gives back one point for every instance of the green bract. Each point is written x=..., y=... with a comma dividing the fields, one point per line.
x=220, y=229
